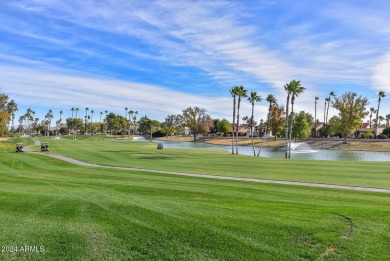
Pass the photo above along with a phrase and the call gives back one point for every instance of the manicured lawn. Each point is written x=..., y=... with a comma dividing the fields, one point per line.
x=81, y=213
x=145, y=155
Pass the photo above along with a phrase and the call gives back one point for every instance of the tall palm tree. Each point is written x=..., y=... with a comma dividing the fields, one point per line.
x=86, y=118
x=331, y=94
x=59, y=122
x=271, y=99
x=315, y=116
x=296, y=89
x=131, y=112
x=381, y=95
x=387, y=120
x=106, y=121
x=242, y=93
x=252, y=99
x=12, y=107
x=326, y=99
x=101, y=113
x=49, y=117
x=13, y=118
x=372, y=110
x=135, y=122
x=72, y=118
x=126, y=109
x=234, y=91
x=287, y=88
x=92, y=112
x=21, y=119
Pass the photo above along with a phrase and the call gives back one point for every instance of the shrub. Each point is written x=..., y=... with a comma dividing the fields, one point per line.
x=363, y=136
x=386, y=132
x=381, y=136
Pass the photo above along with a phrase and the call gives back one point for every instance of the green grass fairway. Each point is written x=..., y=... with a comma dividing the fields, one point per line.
x=79, y=213
x=145, y=155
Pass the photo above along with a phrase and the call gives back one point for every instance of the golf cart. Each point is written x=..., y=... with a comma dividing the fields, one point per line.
x=19, y=147
x=44, y=146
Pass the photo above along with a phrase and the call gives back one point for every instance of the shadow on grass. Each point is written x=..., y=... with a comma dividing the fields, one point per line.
x=155, y=157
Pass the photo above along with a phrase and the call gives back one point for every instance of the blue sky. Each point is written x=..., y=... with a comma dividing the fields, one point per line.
x=159, y=57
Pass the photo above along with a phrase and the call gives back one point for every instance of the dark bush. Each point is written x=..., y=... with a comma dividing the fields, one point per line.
x=381, y=136
x=386, y=132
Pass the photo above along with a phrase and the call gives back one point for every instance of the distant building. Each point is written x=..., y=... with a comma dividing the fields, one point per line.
x=316, y=129
x=366, y=127
x=243, y=130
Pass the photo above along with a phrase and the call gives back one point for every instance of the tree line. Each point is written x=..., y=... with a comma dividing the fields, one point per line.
x=281, y=121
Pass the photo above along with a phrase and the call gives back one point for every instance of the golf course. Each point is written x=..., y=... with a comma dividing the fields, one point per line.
x=91, y=213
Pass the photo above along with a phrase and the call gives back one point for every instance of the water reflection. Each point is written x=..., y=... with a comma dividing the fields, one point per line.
x=317, y=154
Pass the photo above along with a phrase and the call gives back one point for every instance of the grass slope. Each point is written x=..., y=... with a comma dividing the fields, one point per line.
x=145, y=155
x=97, y=214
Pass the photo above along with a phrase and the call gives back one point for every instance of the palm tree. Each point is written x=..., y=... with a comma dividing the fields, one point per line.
x=381, y=95
x=387, y=120
x=101, y=113
x=106, y=121
x=86, y=111
x=234, y=91
x=287, y=88
x=272, y=100
x=131, y=112
x=135, y=122
x=12, y=107
x=372, y=110
x=13, y=118
x=92, y=112
x=49, y=117
x=59, y=122
x=315, y=116
x=331, y=94
x=326, y=99
x=21, y=119
x=252, y=99
x=72, y=118
x=296, y=89
x=242, y=93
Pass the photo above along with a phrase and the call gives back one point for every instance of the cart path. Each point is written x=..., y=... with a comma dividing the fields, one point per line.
x=257, y=180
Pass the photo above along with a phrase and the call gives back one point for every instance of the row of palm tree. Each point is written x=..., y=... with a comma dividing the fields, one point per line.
x=293, y=89
x=132, y=119
x=236, y=92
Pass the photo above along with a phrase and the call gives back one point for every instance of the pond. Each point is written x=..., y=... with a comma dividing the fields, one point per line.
x=305, y=153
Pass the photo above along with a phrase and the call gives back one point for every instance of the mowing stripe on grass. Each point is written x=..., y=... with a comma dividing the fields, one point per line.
x=283, y=182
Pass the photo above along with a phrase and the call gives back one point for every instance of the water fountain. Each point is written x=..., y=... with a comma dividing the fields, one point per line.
x=301, y=147
x=139, y=138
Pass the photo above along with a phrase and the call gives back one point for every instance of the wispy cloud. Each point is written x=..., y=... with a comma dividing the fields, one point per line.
x=195, y=51
x=381, y=77
x=64, y=90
